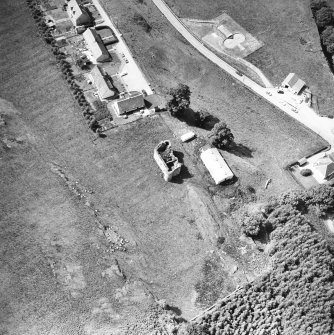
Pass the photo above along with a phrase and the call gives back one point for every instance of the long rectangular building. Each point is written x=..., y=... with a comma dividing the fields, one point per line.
x=96, y=46
x=216, y=165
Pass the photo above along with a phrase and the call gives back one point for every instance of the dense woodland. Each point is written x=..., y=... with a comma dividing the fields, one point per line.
x=297, y=295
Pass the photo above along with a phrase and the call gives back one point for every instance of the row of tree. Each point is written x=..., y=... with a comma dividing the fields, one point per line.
x=297, y=295
x=179, y=102
x=64, y=65
x=323, y=15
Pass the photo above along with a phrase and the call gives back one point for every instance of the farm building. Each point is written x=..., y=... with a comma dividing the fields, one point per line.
x=293, y=83
x=107, y=34
x=216, y=165
x=130, y=102
x=78, y=14
x=324, y=168
x=103, y=85
x=96, y=46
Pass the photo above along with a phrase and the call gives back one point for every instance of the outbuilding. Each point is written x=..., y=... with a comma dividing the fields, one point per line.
x=293, y=83
x=78, y=13
x=96, y=46
x=216, y=165
x=324, y=168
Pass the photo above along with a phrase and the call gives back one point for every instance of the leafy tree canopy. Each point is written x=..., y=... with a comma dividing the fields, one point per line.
x=180, y=99
x=221, y=136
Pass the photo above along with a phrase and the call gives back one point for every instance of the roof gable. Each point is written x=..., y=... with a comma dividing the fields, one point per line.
x=130, y=103
x=325, y=167
x=100, y=82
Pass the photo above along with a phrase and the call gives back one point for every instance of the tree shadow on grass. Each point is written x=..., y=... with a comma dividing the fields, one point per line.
x=240, y=150
x=184, y=174
x=210, y=122
x=174, y=309
x=191, y=118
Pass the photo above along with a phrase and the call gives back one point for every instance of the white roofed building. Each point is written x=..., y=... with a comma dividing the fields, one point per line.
x=323, y=169
x=96, y=46
x=216, y=165
x=78, y=14
x=293, y=83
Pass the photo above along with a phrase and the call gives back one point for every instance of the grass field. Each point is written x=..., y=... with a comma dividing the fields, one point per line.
x=57, y=274
x=273, y=138
x=290, y=37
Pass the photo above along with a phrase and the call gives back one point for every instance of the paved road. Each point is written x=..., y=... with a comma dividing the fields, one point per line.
x=322, y=126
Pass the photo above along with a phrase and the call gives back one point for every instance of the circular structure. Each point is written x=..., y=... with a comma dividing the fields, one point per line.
x=234, y=41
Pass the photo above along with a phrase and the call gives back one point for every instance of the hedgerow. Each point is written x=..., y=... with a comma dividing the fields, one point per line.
x=65, y=66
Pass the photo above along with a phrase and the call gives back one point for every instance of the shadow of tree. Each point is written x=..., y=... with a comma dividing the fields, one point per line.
x=191, y=117
x=174, y=309
x=210, y=122
x=241, y=150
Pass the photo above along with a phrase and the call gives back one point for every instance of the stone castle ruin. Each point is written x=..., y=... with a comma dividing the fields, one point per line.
x=166, y=160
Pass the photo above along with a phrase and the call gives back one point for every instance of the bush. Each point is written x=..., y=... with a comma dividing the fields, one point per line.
x=140, y=20
x=318, y=4
x=253, y=224
x=306, y=172
x=101, y=110
x=330, y=48
x=221, y=136
x=324, y=17
x=327, y=36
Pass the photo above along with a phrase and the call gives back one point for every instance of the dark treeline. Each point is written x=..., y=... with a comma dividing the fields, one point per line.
x=297, y=295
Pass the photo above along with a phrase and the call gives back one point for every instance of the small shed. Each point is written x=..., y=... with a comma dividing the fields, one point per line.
x=216, y=165
x=188, y=136
x=293, y=83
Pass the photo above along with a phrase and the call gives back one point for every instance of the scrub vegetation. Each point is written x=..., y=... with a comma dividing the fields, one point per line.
x=296, y=295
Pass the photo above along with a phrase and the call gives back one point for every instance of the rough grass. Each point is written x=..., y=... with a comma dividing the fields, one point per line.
x=44, y=226
x=273, y=137
x=42, y=223
x=290, y=37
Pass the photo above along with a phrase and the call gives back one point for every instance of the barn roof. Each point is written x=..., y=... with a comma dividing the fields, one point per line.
x=216, y=165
